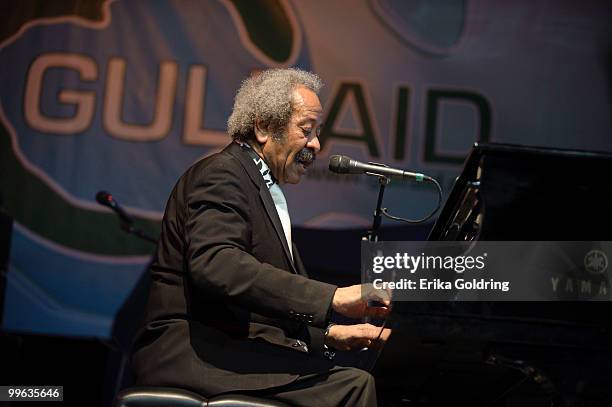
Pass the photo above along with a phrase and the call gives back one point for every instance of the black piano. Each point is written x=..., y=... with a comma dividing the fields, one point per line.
x=509, y=353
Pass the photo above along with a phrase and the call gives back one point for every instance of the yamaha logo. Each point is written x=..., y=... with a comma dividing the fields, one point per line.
x=596, y=262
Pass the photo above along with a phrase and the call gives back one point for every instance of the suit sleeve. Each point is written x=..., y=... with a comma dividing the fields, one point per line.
x=316, y=335
x=218, y=235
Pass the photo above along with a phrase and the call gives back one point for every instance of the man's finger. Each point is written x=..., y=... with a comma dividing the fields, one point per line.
x=385, y=334
x=371, y=293
x=369, y=331
x=377, y=312
x=381, y=339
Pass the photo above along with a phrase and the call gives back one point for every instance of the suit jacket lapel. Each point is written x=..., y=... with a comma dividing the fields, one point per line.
x=299, y=265
x=265, y=196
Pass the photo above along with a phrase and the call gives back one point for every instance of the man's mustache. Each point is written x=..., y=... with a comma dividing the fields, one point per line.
x=306, y=156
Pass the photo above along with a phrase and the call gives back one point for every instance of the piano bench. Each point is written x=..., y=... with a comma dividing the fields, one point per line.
x=173, y=397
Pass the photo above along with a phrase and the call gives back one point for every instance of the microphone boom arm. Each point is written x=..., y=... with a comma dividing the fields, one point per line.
x=383, y=180
x=125, y=220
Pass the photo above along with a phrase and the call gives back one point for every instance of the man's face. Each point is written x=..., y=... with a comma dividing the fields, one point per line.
x=290, y=155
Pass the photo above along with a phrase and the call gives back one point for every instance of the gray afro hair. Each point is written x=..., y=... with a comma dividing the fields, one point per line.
x=267, y=97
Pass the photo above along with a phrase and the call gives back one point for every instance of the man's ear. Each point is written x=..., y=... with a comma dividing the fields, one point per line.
x=261, y=134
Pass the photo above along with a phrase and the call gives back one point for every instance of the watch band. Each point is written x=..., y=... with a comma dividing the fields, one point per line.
x=328, y=353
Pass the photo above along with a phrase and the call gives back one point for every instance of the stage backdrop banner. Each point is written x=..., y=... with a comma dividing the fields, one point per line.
x=127, y=95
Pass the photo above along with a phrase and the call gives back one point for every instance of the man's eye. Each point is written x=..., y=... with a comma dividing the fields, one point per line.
x=308, y=132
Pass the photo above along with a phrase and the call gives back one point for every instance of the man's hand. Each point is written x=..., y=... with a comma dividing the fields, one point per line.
x=352, y=301
x=354, y=337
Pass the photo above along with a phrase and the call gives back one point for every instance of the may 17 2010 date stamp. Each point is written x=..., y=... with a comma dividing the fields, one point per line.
x=32, y=393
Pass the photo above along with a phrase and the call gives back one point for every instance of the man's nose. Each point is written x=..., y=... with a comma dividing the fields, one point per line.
x=314, y=144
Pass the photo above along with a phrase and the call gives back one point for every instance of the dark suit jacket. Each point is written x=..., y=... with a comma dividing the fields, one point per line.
x=228, y=309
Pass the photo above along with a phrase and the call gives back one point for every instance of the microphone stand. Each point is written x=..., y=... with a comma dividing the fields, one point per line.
x=372, y=235
x=128, y=228
x=117, y=344
x=369, y=356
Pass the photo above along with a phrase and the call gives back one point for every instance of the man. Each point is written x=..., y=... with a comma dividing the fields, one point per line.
x=231, y=308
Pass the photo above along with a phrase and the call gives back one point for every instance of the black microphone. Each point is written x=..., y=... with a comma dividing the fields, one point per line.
x=342, y=164
x=106, y=199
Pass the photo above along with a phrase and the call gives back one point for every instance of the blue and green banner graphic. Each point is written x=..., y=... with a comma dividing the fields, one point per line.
x=126, y=95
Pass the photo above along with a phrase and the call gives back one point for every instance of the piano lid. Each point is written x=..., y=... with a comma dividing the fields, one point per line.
x=509, y=192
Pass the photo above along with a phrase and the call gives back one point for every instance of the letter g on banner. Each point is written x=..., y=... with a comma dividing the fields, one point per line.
x=84, y=100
